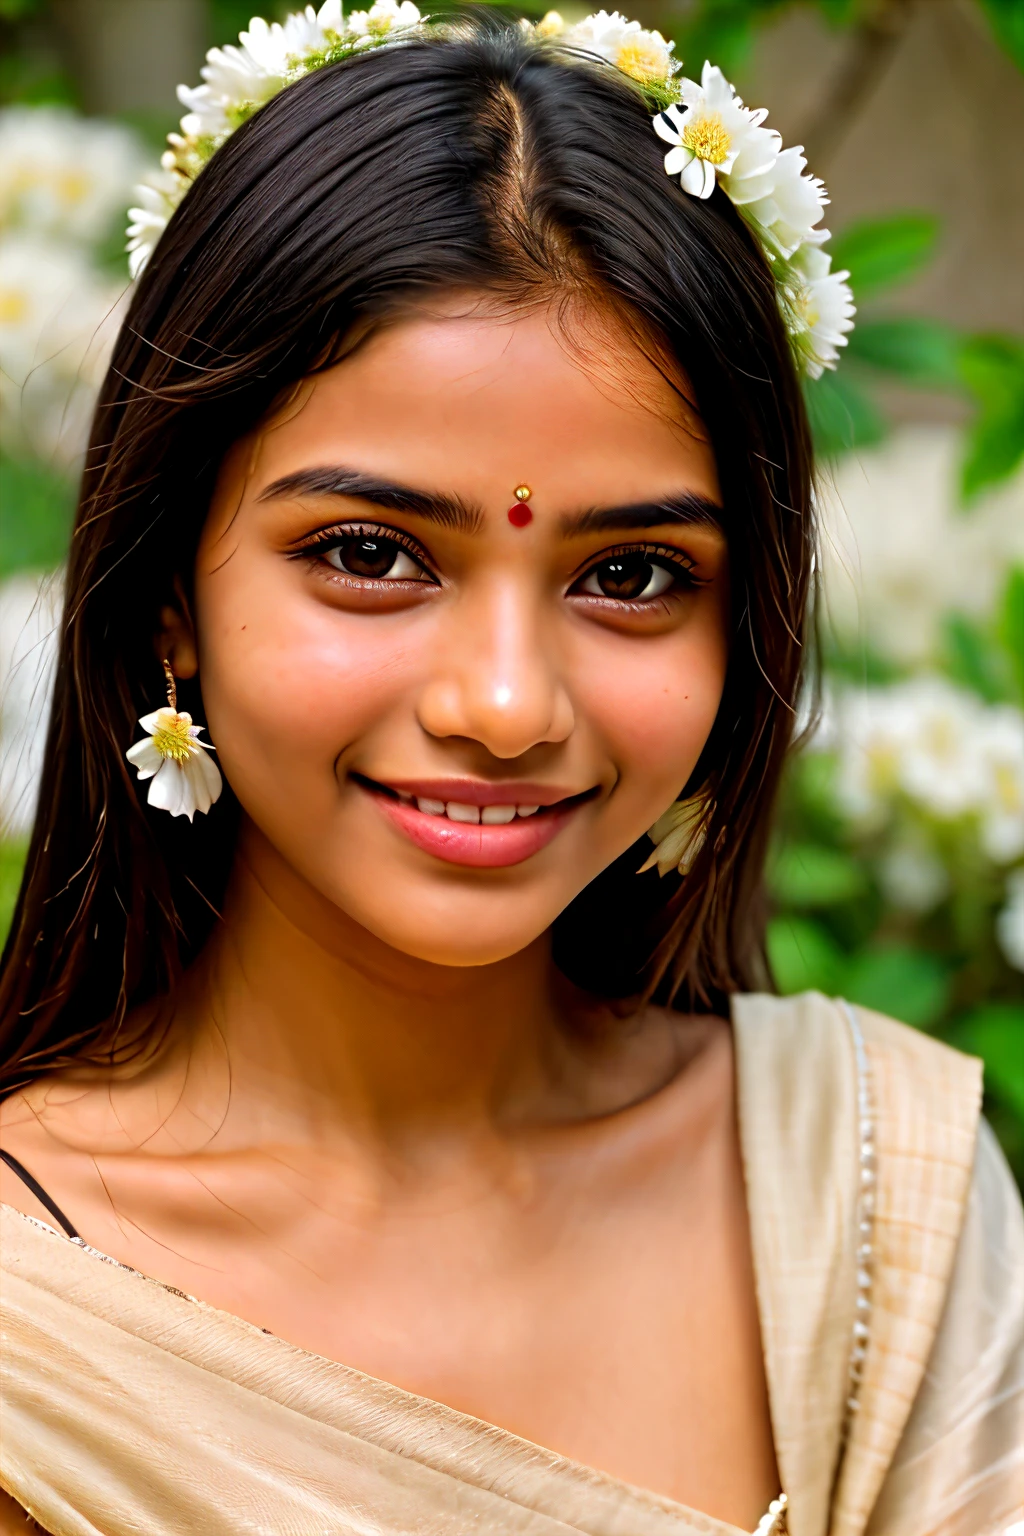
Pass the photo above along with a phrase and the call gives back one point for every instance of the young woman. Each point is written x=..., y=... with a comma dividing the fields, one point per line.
x=381, y=1151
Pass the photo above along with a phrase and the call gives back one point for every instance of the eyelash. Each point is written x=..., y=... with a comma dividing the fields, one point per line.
x=657, y=554
x=325, y=539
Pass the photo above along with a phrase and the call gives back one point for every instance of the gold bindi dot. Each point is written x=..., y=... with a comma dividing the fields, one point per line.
x=523, y=493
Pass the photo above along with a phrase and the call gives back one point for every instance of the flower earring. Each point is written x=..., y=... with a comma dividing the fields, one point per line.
x=184, y=778
x=679, y=835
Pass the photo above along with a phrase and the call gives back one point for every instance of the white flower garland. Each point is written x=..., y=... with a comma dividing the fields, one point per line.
x=715, y=141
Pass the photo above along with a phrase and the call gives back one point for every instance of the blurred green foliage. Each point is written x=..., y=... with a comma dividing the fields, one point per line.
x=12, y=859
x=987, y=371
x=726, y=30
x=36, y=525
x=942, y=970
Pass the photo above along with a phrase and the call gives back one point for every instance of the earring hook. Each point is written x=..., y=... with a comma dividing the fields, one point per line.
x=172, y=686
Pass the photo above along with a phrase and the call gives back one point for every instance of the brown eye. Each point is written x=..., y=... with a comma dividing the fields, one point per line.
x=371, y=556
x=629, y=578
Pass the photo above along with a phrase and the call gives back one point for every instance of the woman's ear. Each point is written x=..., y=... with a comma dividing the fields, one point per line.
x=176, y=637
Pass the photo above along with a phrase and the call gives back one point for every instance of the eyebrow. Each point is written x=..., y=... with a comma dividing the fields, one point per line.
x=436, y=507
x=687, y=508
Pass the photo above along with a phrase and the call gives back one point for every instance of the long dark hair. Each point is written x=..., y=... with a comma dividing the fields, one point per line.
x=469, y=159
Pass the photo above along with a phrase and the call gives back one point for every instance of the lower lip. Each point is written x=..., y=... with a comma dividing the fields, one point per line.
x=472, y=843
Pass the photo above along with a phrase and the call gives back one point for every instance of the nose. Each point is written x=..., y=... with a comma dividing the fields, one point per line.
x=493, y=678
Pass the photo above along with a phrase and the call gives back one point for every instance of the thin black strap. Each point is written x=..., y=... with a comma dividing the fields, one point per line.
x=39, y=1192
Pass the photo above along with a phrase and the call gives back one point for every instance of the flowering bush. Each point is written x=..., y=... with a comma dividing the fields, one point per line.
x=898, y=872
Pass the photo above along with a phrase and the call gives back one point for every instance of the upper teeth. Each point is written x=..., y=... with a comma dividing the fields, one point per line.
x=490, y=815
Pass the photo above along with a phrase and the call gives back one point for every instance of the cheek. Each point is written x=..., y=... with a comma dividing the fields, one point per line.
x=654, y=704
x=288, y=683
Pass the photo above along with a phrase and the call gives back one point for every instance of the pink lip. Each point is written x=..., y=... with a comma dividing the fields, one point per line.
x=475, y=845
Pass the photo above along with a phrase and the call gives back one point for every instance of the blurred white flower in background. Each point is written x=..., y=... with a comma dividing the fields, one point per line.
x=65, y=176
x=65, y=182
x=912, y=877
x=1010, y=921
x=940, y=748
x=58, y=320
x=1001, y=745
x=29, y=616
x=898, y=552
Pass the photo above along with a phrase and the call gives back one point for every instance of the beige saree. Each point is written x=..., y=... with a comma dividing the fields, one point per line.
x=128, y=1408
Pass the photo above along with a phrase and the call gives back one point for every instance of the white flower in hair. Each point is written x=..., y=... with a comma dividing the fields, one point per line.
x=714, y=140
x=184, y=778
x=234, y=78
x=710, y=130
x=792, y=207
x=819, y=309
x=643, y=55
x=382, y=19
x=550, y=25
x=238, y=79
x=158, y=196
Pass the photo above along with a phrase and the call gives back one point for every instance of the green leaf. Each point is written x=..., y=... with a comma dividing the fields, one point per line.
x=1010, y=625
x=37, y=512
x=906, y=983
x=842, y=415
x=995, y=1032
x=804, y=956
x=809, y=875
x=1006, y=18
x=992, y=367
x=12, y=861
x=921, y=351
x=975, y=661
x=880, y=252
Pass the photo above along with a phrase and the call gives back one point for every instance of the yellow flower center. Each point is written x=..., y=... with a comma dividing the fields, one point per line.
x=644, y=58
x=72, y=186
x=1008, y=793
x=883, y=768
x=379, y=21
x=13, y=306
x=708, y=138
x=551, y=26
x=807, y=309
x=171, y=737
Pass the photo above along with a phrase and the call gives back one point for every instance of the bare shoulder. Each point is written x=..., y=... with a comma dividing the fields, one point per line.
x=54, y=1128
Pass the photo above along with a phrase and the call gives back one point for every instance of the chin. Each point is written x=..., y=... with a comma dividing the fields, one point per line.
x=473, y=932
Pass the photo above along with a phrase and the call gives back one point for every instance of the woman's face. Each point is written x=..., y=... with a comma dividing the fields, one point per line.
x=445, y=718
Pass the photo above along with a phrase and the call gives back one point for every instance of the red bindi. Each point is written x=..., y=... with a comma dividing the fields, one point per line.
x=520, y=514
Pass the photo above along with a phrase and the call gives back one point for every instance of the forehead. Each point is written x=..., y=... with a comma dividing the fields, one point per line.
x=459, y=396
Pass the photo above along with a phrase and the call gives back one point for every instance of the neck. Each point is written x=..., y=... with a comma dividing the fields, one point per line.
x=322, y=1026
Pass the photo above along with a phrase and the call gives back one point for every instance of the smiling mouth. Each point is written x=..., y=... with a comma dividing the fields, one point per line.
x=473, y=823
